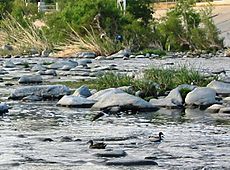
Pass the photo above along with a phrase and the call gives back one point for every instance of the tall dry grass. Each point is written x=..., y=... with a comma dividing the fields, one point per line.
x=22, y=38
x=89, y=42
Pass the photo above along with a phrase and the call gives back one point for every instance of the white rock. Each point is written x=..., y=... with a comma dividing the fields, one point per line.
x=220, y=87
x=75, y=101
x=201, y=96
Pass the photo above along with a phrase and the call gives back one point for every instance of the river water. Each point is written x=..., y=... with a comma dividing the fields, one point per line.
x=193, y=139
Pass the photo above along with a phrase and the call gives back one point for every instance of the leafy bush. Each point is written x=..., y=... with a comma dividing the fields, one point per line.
x=105, y=19
x=185, y=28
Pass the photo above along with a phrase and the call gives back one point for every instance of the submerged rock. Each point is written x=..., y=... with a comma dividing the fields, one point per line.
x=75, y=101
x=44, y=91
x=214, y=108
x=131, y=162
x=111, y=153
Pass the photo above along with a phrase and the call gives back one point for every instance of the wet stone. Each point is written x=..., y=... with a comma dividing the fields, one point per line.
x=66, y=139
x=27, y=79
x=131, y=162
x=111, y=153
x=46, y=140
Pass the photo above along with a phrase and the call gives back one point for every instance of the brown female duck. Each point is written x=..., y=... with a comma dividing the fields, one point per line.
x=96, y=145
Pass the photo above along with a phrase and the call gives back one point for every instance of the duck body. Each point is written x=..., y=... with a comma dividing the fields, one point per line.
x=157, y=139
x=96, y=145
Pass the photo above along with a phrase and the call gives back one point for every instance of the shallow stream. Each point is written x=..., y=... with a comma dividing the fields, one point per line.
x=193, y=140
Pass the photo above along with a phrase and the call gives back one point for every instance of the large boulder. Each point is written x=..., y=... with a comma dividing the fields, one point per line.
x=201, y=96
x=28, y=79
x=220, y=87
x=105, y=93
x=43, y=91
x=75, y=101
x=125, y=101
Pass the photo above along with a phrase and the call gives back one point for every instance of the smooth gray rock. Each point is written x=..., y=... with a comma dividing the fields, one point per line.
x=82, y=91
x=220, y=87
x=38, y=67
x=32, y=98
x=201, y=96
x=131, y=162
x=75, y=101
x=226, y=100
x=166, y=102
x=44, y=91
x=214, y=108
x=48, y=72
x=9, y=64
x=66, y=67
x=111, y=153
x=3, y=108
x=173, y=100
x=27, y=79
x=86, y=55
x=125, y=101
x=225, y=110
x=105, y=93
x=61, y=64
x=84, y=62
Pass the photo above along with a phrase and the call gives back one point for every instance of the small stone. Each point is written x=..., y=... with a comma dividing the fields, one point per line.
x=225, y=110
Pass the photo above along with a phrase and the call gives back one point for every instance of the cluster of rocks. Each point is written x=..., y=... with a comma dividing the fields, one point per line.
x=40, y=71
x=214, y=97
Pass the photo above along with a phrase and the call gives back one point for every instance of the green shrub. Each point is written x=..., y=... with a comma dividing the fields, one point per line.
x=104, y=18
x=185, y=28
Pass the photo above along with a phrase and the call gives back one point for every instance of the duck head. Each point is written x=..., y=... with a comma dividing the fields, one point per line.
x=90, y=142
x=161, y=135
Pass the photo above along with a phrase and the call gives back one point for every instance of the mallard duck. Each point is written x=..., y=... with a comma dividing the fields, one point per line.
x=96, y=145
x=157, y=139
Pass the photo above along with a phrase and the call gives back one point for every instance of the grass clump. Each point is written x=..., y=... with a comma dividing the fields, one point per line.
x=22, y=37
x=170, y=78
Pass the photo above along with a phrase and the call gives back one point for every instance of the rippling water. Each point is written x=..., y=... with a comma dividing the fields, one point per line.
x=193, y=139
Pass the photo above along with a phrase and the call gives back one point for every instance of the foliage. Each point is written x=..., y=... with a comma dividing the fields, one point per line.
x=105, y=19
x=184, y=92
x=170, y=78
x=185, y=28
